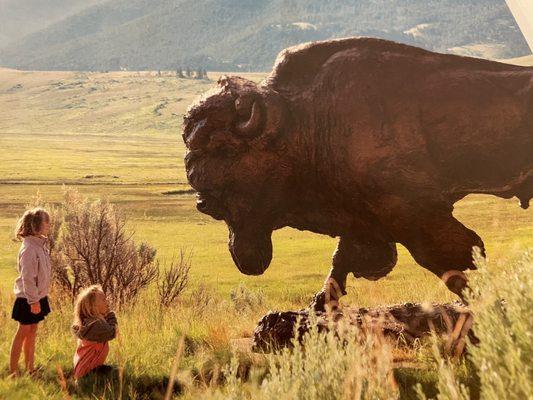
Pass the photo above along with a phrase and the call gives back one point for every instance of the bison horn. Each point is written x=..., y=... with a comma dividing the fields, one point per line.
x=250, y=127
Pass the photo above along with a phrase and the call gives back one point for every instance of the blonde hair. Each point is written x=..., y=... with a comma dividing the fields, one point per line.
x=85, y=306
x=30, y=223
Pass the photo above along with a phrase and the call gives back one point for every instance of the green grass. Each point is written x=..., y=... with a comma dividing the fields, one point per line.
x=301, y=259
x=50, y=136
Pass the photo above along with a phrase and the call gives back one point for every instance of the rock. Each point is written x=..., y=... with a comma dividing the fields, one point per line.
x=403, y=323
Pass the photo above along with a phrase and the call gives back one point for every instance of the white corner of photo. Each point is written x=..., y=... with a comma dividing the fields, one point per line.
x=522, y=11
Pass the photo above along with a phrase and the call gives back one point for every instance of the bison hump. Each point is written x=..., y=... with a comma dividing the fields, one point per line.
x=296, y=67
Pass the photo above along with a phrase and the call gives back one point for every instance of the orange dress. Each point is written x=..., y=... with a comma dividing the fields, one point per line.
x=89, y=355
x=92, y=348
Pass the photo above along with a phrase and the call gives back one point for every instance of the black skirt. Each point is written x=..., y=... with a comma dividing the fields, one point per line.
x=22, y=311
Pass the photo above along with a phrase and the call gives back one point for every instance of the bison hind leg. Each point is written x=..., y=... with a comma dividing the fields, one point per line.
x=444, y=246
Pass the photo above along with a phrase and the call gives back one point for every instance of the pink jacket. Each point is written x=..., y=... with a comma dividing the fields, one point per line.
x=35, y=269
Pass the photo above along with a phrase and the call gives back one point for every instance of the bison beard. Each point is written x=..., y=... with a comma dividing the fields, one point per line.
x=251, y=251
x=367, y=140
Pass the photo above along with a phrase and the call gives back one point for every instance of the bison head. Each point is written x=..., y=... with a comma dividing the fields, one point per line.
x=237, y=164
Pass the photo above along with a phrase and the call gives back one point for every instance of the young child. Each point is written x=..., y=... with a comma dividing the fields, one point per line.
x=94, y=325
x=31, y=285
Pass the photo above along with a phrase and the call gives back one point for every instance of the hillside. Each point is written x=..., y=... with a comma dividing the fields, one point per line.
x=247, y=34
x=22, y=17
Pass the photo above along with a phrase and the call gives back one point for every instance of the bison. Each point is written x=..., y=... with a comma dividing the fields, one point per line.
x=367, y=140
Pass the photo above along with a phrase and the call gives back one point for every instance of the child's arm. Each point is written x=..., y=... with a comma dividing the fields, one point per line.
x=100, y=330
x=111, y=318
x=28, y=271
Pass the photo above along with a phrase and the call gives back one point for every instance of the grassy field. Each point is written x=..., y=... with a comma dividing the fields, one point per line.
x=117, y=135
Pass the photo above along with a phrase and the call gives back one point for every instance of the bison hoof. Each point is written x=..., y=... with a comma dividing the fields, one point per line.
x=320, y=303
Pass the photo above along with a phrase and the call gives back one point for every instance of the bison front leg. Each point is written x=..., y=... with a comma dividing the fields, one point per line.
x=456, y=281
x=369, y=258
x=334, y=288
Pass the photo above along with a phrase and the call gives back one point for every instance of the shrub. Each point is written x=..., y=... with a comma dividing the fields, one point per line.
x=347, y=364
x=245, y=300
x=91, y=245
x=174, y=279
x=502, y=303
x=201, y=299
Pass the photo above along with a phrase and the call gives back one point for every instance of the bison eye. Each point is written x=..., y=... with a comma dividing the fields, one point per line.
x=201, y=205
x=210, y=205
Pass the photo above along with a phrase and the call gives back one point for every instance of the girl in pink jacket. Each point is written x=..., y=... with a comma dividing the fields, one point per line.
x=31, y=286
x=94, y=326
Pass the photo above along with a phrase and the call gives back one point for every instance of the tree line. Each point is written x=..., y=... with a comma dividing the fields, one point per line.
x=188, y=72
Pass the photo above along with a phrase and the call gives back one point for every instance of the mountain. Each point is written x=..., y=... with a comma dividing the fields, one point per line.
x=19, y=18
x=247, y=34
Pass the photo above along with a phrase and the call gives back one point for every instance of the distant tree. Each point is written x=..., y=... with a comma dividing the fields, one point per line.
x=179, y=73
x=159, y=72
x=204, y=74
x=188, y=72
x=199, y=73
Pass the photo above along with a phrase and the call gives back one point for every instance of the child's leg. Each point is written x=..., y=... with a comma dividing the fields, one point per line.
x=16, y=347
x=29, y=347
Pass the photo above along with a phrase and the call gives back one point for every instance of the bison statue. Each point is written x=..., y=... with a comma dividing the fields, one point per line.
x=367, y=140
